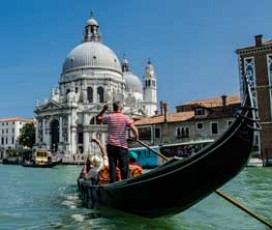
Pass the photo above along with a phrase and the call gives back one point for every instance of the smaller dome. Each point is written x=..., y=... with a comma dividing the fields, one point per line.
x=133, y=82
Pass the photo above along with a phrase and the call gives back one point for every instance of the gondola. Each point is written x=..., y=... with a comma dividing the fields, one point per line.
x=177, y=185
x=42, y=165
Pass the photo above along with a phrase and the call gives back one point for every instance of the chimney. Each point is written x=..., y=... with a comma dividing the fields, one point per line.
x=224, y=100
x=165, y=109
x=258, y=40
x=161, y=103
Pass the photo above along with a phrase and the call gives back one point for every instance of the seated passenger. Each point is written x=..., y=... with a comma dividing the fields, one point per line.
x=135, y=169
x=87, y=166
x=95, y=169
x=104, y=175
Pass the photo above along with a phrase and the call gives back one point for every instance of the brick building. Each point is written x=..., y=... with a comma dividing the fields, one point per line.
x=255, y=62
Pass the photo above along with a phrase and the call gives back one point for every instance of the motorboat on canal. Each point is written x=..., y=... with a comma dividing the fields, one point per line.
x=178, y=184
x=41, y=158
x=42, y=165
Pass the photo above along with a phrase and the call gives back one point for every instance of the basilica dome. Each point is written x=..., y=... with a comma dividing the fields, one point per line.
x=91, y=54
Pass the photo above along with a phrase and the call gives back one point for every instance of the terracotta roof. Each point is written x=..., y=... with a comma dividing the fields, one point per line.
x=214, y=102
x=220, y=112
x=15, y=119
x=171, y=117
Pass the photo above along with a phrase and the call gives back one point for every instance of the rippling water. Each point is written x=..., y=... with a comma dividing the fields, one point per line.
x=48, y=199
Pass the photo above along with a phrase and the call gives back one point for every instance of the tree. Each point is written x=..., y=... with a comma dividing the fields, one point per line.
x=27, y=136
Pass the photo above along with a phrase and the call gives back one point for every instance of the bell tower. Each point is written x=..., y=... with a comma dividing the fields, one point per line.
x=150, y=90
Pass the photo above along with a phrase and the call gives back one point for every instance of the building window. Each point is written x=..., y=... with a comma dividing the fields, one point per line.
x=199, y=112
x=145, y=133
x=90, y=94
x=249, y=70
x=269, y=68
x=178, y=133
x=100, y=94
x=214, y=128
x=187, y=132
x=199, y=125
x=249, y=67
x=157, y=133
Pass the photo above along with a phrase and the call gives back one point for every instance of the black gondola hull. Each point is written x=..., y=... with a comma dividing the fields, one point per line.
x=179, y=184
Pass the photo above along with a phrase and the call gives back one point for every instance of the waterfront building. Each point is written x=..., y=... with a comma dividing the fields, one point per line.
x=255, y=62
x=91, y=76
x=196, y=121
x=10, y=130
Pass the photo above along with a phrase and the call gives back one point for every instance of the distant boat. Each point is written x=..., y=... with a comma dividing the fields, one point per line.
x=16, y=156
x=176, y=185
x=42, y=165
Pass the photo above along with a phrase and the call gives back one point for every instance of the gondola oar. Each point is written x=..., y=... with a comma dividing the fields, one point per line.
x=223, y=195
x=153, y=150
x=231, y=200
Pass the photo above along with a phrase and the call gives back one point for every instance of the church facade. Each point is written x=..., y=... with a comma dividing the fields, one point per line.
x=92, y=75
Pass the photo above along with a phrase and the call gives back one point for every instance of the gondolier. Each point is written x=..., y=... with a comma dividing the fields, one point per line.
x=117, y=147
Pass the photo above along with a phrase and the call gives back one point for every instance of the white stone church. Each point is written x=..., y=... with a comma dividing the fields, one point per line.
x=91, y=76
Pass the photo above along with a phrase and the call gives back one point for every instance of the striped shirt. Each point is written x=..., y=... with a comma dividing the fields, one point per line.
x=117, y=126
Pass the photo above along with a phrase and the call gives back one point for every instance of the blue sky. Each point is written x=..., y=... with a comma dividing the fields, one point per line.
x=191, y=44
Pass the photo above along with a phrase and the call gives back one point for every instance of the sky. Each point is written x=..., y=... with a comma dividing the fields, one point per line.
x=191, y=44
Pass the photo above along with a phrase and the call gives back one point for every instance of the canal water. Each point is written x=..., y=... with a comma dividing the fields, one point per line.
x=33, y=198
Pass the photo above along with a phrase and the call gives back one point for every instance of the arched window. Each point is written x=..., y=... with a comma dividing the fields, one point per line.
x=100, y=94
x=90, y=94
x=178, y=132
x=187, y=132
x=182, y=132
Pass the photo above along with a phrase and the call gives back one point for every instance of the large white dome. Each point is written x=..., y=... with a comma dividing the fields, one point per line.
x=92, y=55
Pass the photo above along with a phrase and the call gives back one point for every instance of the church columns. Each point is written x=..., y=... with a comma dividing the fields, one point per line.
x=86, y=134
x=86, y=140
x=44, y=130
x=47, y=133
x=61, y=141
x=73, y=147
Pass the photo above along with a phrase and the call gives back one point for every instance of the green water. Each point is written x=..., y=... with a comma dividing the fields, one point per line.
x=48, y=199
